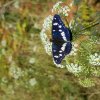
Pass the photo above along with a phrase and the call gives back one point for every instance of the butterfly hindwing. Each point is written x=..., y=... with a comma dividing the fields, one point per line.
x=60, y=33
x=60, y=51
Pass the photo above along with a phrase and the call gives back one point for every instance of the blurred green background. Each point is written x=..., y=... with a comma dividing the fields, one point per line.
x=26, y=71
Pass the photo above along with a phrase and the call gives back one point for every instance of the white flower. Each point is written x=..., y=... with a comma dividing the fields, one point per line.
x=3, y=43
x=71, y=4
x=32, y=60
x=64, y=10
x=16, y=4
x=74, y=68
x=86, y=82
x=15, y=71
x=48, y=48
x=94, y=59
x=61, y=9
x=74, y=49
x=43, y=35
x=56, y=6
x=47, y=22
x=46, y=42
x=32, y=81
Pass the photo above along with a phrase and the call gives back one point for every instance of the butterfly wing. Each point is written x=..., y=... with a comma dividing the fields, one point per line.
x=60, y=51
x=61, y=33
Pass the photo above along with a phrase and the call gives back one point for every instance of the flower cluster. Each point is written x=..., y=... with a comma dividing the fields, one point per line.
x=61, y=9
x=15, y=71
x=46, y=26
x=64, y=10
x=32, y=60
x=32, y=81
x=44, y=38
x=94, y=59
x=46, y=42
x=74, y=68
x=86, y=82
x=74, y=49
x=47, y=22
x=56, y=6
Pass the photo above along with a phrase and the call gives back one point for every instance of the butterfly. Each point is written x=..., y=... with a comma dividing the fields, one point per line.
x=61, y=39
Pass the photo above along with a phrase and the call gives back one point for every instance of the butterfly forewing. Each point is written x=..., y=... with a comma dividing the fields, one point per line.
x=59, y=31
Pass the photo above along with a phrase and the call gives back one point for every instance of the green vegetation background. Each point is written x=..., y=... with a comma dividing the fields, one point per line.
x=26, y=71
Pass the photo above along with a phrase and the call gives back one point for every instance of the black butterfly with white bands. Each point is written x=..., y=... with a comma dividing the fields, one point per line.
x=61, y=39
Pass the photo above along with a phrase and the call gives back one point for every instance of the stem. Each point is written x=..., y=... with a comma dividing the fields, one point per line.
x=88, y=27
x=67, y=23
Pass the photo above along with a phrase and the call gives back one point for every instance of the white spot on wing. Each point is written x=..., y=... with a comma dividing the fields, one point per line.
x=60, y=30
x=55, y=23
x=53, y=30
x=63, y=46
x=59, y=26
x=56, y=56
x=54, y=50
x=63, y=36
x=60, y=51
x=60, y=54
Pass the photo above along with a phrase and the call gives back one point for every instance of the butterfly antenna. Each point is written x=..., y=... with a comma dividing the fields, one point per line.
x=88, y=27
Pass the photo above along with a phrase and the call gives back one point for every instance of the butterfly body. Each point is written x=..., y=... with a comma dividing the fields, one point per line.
x=57, y=41
x=61, y=39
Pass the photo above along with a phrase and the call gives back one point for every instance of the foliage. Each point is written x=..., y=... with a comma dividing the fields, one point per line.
x=26, y=72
